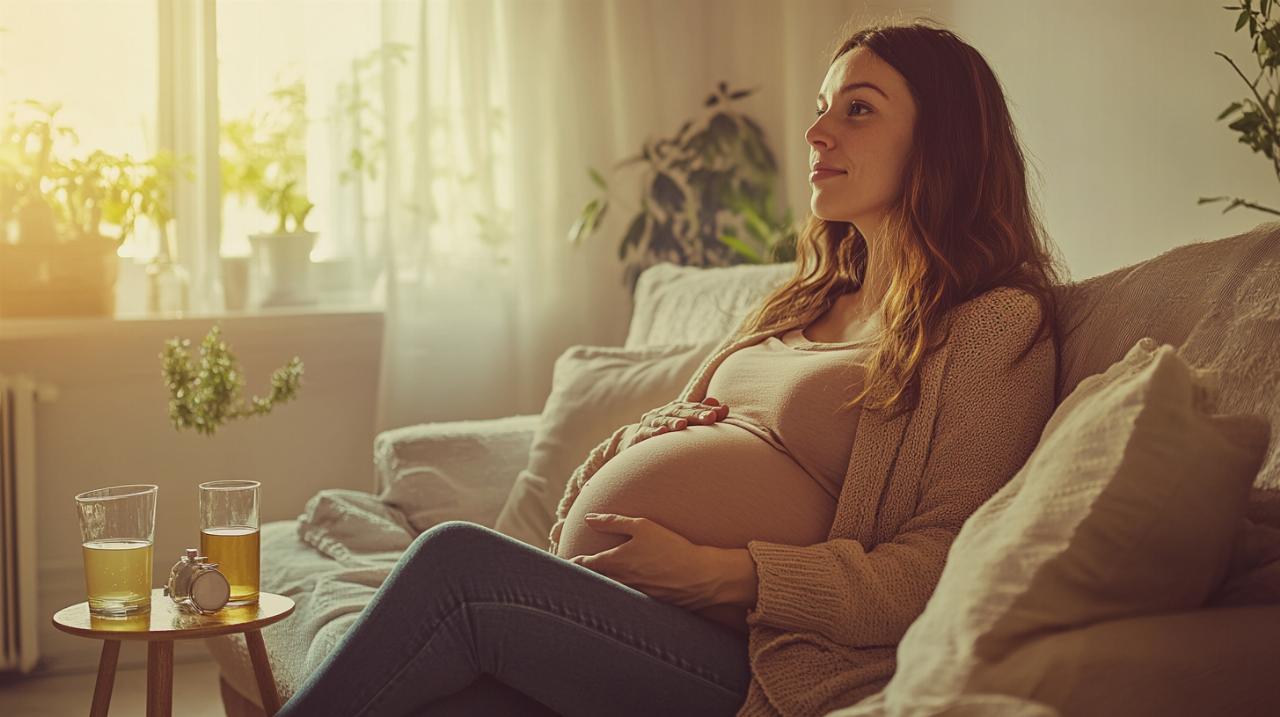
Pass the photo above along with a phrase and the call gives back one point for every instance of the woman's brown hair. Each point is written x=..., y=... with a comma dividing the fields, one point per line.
x=963, y=223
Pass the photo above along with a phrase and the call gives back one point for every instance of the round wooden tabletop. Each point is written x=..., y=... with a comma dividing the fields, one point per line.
x=166, y=621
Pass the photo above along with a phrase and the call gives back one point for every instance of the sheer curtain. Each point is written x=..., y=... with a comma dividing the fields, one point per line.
x=519, y=98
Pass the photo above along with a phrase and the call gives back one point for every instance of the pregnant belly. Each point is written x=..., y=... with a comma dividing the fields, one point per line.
x=716, y=485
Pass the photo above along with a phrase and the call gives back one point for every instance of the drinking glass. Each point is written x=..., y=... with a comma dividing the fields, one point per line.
x=117, y=531
x=229, y=534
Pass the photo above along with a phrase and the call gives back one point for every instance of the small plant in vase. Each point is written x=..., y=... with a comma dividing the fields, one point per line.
x=264, y=159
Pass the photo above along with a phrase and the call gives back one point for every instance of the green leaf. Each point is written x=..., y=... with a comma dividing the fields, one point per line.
x=632, y=237
x=1231, y=108
x=595, y=221
x=723, y=128
x=579, y=228
x=667, y=193
x=741, y=247
x=755, y=224
x=1210, y=200
x=599, y=180
x=1244, y=18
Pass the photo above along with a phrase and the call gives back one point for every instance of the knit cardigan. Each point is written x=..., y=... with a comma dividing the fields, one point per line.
x=823, y=633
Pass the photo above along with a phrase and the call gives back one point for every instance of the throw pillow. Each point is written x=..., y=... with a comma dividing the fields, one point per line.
x=1128, y=505
x=594, y=390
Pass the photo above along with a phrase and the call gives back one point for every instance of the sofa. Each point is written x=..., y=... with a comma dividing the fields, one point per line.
x=1217, y=302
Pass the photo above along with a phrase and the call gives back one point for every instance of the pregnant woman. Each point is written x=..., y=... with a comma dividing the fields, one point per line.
x=760, y=545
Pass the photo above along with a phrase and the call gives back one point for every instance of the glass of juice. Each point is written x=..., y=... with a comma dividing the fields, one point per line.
x=229, y=534
x=117, y=530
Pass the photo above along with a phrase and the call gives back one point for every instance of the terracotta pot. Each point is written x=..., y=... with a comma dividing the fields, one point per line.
x=71, y=278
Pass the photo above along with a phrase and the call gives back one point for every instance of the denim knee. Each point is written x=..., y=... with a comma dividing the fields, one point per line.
x=454, y=541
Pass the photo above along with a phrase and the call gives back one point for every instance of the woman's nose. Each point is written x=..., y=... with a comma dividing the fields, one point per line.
x=817, y=137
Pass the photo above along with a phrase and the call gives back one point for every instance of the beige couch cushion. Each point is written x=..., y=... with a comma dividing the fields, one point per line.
x=687, y=304
x=1217, y=302
x=594, y=391
x=1128, y=506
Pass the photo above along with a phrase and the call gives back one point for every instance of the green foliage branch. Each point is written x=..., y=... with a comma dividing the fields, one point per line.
x=1256, y=118
x=205, y=395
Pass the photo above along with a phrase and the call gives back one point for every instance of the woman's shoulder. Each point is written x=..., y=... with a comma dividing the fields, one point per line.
x=1004, y=315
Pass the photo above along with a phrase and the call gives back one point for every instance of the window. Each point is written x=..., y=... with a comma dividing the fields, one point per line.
x=324, y=116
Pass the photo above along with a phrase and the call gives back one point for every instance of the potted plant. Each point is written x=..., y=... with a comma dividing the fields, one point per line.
x=56, y=256
x=706, y=195
x=264, y=159
x=1256, y=118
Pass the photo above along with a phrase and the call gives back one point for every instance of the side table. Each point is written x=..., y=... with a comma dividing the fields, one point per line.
x=159, y=628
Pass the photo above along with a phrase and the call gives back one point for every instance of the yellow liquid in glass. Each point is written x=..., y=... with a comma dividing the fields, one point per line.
x=117, y=575
x=235, y=550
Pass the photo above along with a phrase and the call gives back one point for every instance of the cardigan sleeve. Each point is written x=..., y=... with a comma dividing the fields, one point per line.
x=989, y=418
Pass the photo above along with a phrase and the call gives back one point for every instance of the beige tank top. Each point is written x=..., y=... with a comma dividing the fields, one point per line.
x=788, y=390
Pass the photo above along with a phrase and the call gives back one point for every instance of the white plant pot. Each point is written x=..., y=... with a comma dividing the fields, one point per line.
x=283, y=264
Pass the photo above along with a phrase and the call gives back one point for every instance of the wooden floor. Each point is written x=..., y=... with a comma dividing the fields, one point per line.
x=195, y=693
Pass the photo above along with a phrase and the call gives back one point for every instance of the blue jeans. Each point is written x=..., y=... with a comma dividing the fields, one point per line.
x=473, y=622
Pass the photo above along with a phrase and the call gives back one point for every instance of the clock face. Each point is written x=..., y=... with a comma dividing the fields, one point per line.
x=210, y=590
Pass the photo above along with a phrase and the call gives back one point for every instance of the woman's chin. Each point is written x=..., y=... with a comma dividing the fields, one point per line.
x=822, y=210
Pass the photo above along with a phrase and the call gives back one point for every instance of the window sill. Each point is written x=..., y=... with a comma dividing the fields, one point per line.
x=188, y=323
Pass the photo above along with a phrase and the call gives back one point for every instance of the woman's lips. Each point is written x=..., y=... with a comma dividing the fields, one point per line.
x=821, y=174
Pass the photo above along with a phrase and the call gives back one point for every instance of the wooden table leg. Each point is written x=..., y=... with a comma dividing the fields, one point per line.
x=106, y=678
x=262, y=671
x=160, y=678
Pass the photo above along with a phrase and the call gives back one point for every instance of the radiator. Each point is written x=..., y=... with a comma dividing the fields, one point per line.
x=18, y=619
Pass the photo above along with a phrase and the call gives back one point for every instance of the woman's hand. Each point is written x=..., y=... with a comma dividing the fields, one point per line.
x=678, y=415
x=656, y=561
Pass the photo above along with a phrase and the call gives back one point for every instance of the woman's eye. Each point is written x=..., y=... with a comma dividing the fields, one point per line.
x=850, y=113
x=857, y=104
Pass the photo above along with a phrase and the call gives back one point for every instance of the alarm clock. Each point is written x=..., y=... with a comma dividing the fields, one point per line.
x=197, y=585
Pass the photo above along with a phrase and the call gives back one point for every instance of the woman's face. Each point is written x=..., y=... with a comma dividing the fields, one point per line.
x=863, y=132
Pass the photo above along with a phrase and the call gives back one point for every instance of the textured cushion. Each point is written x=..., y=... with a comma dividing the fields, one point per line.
x=1128, y=506
x=594, y=390
x=1217, y=302
x=451, y=470
x=687, y=304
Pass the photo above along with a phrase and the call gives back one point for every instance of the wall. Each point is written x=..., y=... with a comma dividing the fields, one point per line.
x=110, y=426
x=1117, y=104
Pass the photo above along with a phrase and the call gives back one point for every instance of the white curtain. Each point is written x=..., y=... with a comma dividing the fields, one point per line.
x=523, y=96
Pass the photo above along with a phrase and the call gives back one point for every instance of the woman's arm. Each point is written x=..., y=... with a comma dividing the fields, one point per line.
x=989, y=419
x=737, y=571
